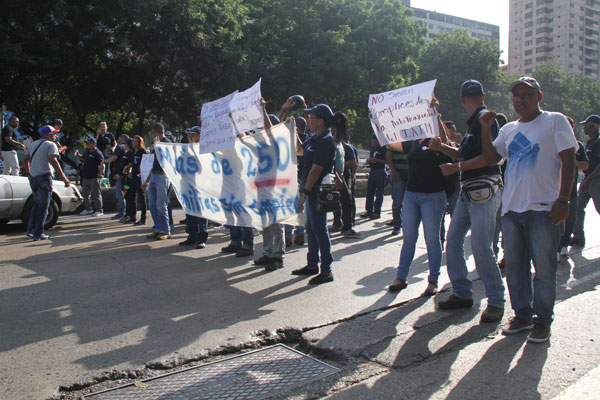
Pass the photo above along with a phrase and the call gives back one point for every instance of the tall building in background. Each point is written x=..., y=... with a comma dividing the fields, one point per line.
x=565, y=33
x=438, y=22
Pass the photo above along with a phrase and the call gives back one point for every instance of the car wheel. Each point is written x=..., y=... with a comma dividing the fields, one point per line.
x=51, y=219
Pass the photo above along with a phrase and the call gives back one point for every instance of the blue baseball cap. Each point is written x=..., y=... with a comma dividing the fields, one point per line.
x=91, y=140
x=274, y=120
x=46, y=129
x=321, y=111
x=471, y=88
x=193, y=129
x=592, y=119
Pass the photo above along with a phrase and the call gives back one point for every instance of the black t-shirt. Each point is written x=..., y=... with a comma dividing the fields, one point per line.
x=424, y=173
x=472, y=146
x=592, y=150
x=116, y=167
x=9, y=131
x=377, y=152
x=136, y=162
x=320, y=150
x=106, y=140
x=156, y=168
x=581, y=157
x=349, y=155
x=91, y=164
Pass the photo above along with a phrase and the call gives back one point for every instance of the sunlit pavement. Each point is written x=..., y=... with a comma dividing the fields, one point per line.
x=101, y=297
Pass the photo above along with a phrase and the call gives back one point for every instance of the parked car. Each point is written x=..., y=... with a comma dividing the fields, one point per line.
x=16, y=201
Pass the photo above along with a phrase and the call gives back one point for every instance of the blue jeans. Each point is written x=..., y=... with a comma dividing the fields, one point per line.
x=289, y=230
x=318, y=235
x=119, y=196
x=158, y=200
x=582, y=202
x=429, y=208
x=398, y=189
x=242, y=236
x=41, y=189
x=375, y=189
x=196, y=228
x=481, y=220
x=530, y=236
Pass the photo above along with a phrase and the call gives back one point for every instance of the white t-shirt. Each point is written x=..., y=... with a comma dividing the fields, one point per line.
x=39, y=164
x=532, y=177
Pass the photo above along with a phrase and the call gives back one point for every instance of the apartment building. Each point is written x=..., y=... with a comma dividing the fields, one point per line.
x=565, y=33
x=438, y=22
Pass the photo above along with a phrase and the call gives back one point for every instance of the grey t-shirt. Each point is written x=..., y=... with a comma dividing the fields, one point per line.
x=39, y=164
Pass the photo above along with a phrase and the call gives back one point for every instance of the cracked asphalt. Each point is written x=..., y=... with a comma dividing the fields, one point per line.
x=100, y=305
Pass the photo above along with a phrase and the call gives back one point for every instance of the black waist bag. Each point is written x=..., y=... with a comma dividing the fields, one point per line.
x=480, y=190
x=329, y=198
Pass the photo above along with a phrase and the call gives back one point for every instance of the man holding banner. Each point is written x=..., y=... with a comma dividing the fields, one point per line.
x=476, y=209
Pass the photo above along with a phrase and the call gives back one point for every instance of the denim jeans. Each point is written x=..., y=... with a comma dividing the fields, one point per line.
x=240, y=235
x=398, y=189
x=196, y=228
x=289, y=231
x=481, y=220
x=119, y=196
x=582, y=202
x=531, y=236
x=41, y=189
x=318, y=235
x=429, y=208
x=375, y=189
x=158, y=200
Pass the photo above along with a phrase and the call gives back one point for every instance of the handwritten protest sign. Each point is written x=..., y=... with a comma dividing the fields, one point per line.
x=246, y=112
x=146, y=166
x=404, y=114
x=253, y=184
x=218, y=132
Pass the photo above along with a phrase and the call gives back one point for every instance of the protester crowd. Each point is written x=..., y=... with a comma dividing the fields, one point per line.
x=517, y=177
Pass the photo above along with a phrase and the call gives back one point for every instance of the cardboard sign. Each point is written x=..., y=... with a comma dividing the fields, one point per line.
x=404, y=114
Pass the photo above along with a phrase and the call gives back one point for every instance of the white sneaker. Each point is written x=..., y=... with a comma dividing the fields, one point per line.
x=98, y=214
x=564, y=252
x=86, y=212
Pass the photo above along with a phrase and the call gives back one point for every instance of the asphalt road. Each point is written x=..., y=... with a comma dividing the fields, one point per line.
x=100, y=297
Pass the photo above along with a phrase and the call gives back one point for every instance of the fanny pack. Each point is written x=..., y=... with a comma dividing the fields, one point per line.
x=481, y=189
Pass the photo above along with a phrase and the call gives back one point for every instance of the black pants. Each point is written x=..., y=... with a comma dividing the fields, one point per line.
x=135, y=194
x=345, y=217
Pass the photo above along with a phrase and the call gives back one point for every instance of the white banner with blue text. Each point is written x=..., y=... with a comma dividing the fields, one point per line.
x=404, y=114
x=253, y=185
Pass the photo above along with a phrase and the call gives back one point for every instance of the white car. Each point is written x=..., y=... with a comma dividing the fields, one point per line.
x=16, y=201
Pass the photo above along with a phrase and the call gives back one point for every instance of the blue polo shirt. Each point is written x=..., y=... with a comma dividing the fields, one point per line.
x=91, y=164
x=320, y=150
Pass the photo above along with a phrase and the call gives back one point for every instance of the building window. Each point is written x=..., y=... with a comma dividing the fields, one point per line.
x=528, y=52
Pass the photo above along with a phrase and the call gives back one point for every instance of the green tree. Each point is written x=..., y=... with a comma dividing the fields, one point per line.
x=455, y=57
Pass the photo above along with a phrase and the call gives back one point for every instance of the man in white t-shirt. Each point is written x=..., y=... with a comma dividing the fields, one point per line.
x=41, y=160
x=540, y=151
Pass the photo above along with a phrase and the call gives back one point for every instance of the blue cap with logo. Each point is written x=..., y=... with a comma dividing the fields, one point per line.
x=91, y=140
x=321, y=111
x=471, y=88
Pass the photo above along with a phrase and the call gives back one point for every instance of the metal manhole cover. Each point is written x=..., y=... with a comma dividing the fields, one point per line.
x=253, y=375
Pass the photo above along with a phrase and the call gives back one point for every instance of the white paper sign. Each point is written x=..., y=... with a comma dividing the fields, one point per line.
x=254, y=184
x=404, y=114
x=218, y=132
x=246, y=112
x=146, y=166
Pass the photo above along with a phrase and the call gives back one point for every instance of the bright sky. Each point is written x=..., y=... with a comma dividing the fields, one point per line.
x=490, y=11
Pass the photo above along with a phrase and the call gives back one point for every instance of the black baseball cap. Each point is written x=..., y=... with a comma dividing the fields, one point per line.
x=471, y=88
